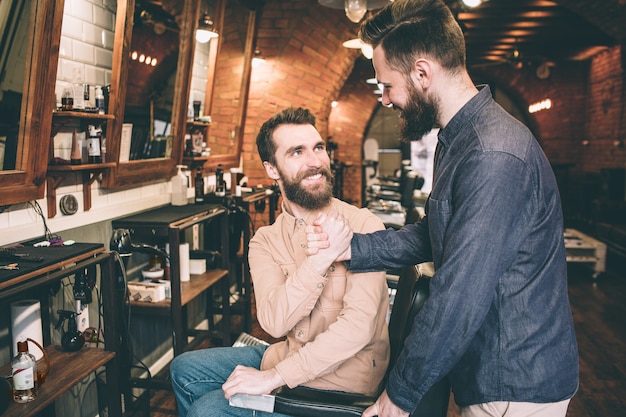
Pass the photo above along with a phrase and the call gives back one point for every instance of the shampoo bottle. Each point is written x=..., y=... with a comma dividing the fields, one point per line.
x=179, y=187
x=24, y=371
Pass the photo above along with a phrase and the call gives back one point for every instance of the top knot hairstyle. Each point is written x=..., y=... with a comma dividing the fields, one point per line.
x=409, y=29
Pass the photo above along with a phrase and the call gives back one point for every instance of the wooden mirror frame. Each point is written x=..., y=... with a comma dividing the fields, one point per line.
x=231, y=159
x=135, y=172
x=27, y=181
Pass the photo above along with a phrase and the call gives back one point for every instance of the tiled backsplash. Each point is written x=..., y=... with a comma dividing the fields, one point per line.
x=86, y=50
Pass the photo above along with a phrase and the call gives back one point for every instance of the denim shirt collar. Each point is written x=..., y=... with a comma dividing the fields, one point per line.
x=464, y=116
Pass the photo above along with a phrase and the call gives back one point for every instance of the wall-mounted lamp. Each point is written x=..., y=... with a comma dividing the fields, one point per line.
x=257, y=58
x=205, y=31
x=366, y=49
x=355, y=9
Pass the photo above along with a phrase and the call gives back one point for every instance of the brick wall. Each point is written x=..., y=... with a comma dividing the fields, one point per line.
x=307, y=66
x=606, y=113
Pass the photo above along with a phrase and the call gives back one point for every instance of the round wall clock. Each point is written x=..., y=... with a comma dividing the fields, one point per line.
x=68, y=204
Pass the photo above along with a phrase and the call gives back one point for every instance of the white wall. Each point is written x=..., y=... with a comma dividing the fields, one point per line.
x=85, y=55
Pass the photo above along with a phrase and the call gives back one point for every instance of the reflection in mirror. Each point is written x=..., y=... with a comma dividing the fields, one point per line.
x=203, y=67
x=232, y=78
x=202, y=75
x=29, y=42
x=14, y=31
x=151, y=80
x=156, y=102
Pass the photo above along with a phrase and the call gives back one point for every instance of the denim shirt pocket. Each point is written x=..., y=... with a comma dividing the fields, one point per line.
x=439, y=214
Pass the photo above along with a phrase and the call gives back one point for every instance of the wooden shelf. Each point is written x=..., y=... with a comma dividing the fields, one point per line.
x=81, y=115
x=61, y=118
x=57, y=173
x=62, y=375
x=68, y=368
x=189, y=291
x=198, y=123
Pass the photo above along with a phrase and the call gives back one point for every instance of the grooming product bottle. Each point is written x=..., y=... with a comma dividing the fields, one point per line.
x=199, y=183
x=220, y=186
x=24, y=371
x=93, y=145
x=99, y=100
x=179, y=187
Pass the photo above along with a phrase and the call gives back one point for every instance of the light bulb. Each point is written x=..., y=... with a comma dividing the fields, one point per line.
x=355, y=9
x=367, y=51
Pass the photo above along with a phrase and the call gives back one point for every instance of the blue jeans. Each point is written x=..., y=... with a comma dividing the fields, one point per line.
x=197, y=378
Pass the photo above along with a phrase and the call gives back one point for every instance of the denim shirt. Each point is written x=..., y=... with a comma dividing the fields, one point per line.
x=498, y=321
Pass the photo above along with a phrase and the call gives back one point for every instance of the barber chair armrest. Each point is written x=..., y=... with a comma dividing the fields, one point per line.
x=306, y=402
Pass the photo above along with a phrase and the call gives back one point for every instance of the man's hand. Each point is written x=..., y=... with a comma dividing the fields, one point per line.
x=329, y=232
x=246, y=380
x=384, y=407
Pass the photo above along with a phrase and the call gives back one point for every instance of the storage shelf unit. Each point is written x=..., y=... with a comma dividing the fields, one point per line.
x=167, y=225
x=32, y=281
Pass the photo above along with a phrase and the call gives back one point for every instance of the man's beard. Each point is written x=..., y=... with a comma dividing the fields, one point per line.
x=419, y=116
x=314, y=199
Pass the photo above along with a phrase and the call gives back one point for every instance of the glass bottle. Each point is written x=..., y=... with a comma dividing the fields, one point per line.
x=220, y=187
x=199, y=187
x=24, y=371
x=67, y=99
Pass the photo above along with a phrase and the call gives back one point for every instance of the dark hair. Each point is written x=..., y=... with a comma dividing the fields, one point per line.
x=292, y=116
x=407, y=29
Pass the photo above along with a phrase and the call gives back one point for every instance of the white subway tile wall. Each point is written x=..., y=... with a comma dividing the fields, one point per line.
x=86, y=51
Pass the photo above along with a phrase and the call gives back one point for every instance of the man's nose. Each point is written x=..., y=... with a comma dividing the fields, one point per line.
x=314, y=159
x=384, y=98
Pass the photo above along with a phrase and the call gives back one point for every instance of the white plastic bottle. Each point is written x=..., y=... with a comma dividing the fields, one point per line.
x=99, y=100
x=179, y=187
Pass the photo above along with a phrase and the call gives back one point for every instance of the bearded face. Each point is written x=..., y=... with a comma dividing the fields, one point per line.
x=310, y=198
x=418, y=116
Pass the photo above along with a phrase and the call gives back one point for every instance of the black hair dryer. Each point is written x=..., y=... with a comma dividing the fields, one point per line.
x=72, y=340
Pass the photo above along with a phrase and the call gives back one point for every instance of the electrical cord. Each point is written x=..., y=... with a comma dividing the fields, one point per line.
x=37, y=208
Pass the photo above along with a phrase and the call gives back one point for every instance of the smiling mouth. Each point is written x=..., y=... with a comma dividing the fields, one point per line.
x=314, y=177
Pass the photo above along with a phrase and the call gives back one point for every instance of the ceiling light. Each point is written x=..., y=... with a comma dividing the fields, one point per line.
x=356, y=43
x=257, y=58
x=355, y=9
x=472, y=3
x=205, y=31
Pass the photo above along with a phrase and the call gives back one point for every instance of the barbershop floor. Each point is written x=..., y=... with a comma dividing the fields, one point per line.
x=600, y=315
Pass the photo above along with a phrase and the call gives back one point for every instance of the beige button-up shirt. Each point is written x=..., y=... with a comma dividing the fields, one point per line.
x=335, y=328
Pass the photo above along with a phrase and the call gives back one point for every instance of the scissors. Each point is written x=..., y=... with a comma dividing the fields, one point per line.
x=10, y=266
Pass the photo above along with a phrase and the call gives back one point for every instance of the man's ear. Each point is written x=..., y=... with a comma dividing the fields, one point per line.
x=271, y=171
x=422, y=73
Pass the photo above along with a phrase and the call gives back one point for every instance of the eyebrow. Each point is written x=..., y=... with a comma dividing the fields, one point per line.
x=292, y=149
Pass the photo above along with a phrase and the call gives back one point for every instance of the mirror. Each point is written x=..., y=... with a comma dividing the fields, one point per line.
x=30, y=32
x=149, y=100
x=228, y=81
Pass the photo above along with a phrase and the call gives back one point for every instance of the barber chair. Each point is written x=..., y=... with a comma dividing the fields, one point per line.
x=412, y=290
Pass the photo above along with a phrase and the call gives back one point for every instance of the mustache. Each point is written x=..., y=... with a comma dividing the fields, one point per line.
x=314, y=171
